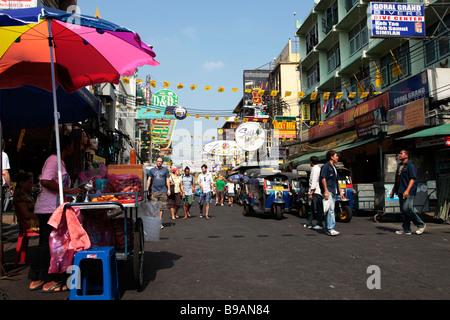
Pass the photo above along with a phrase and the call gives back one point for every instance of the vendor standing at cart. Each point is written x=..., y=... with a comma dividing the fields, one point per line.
x=159, y=182
x=46, y=203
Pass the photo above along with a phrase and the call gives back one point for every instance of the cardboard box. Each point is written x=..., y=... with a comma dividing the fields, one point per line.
x=136, y=169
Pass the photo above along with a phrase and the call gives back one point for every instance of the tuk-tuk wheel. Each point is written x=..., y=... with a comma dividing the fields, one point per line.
x=345, y=214
x=302, y=211
x=279, y=212
x=245, y=208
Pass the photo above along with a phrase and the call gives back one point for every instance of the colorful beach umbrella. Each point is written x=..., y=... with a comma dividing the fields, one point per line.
x=46, y=47
x=87, y=50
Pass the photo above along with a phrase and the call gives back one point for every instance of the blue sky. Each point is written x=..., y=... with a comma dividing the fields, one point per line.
x=207, y=43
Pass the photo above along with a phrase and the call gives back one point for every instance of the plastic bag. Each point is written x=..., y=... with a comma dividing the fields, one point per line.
x=93, y=174
x=152, y=228
x=61, y=250
x=326, y=205
x=149, y=212
x=99, y=228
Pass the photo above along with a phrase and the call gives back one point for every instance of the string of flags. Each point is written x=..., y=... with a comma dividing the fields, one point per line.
x=274, y=93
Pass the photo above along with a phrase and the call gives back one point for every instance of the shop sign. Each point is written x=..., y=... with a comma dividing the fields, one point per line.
x=163, y=113
x=346, y=119
x=364, y=123
x=285, y=129
x=387, y=20
x=406, y=117
x=222, y=148
x=409, y=90
x=164, y=98
x=306, y=112
x=250, y=136
x=17, y=4
x=256, y=81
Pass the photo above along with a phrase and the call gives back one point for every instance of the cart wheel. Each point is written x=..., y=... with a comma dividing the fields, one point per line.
x=345, y=214
x=138, y=254
x=377, y=217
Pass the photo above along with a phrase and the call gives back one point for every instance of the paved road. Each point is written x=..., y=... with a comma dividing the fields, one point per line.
x=232, y=257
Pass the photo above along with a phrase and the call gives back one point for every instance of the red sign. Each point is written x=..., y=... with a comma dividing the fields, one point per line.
x=346, y=119
x=447, y=141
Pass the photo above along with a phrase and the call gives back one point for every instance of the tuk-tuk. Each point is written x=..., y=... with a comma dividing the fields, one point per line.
x=343, y=208
x=298, y=182
x=268, y=192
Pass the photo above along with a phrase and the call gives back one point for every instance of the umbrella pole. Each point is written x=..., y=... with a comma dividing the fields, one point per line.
x=55, y=114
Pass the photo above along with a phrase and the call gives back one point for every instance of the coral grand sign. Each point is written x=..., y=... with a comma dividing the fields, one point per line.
x=396, y=20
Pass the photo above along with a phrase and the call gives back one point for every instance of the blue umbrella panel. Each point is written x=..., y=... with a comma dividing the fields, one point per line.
x=31, y=107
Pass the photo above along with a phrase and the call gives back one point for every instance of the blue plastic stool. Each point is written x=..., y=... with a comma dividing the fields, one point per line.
x=110, y=288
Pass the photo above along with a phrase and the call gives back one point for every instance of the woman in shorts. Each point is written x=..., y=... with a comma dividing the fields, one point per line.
x=174, y=200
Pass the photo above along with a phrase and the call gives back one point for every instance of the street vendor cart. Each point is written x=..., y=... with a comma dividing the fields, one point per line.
x=111, y=214
x=131, y=247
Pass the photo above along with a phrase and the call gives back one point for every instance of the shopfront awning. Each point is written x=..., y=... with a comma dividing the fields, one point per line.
x=443, y=130
x=321, y=154
x=30, y=107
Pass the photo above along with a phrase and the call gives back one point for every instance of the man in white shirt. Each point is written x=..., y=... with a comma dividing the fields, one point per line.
x=6, y=179
x=315, y=195
x=206, y=183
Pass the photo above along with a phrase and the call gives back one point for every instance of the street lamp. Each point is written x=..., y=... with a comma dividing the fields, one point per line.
x=380, y=130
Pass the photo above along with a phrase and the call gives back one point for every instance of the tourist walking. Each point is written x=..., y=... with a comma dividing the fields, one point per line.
x=187, y=197
x=329, y=178
x=174, y=200
x=158, y=184
x=230, y=192
x=206, y=183
x=315, y=195
x=406, y=187
x=220, y=187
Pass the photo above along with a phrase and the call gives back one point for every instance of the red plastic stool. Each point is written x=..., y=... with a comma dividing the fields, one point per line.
x=22, y=242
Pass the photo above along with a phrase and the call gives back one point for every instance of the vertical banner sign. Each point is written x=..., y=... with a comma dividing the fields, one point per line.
x=396, y=20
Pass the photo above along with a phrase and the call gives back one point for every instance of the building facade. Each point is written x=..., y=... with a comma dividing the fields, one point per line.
x=349, y=79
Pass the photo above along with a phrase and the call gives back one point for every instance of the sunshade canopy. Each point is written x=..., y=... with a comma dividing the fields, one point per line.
x=443, y=130
x=87, y=50
x=30, y=107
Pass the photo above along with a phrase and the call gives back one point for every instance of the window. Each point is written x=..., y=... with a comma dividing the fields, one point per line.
x=331, y=18
x=402, y=55
x=438, y=48
x=364, y=79
x=358, y=37
x=312, y=39
x=334, y=58
x=312, y=76
x=350, y=4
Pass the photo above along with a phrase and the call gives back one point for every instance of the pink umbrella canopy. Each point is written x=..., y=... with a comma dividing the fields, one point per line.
x=87, y=50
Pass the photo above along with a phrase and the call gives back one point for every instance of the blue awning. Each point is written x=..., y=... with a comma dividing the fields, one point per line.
x=30, y=107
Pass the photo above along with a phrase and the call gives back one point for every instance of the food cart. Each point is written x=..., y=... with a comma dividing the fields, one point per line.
x=123, y=227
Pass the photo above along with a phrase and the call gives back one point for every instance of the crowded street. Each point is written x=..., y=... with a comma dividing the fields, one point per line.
x=233, y=257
